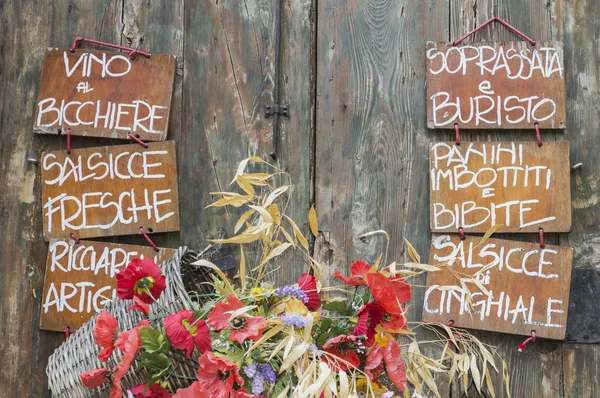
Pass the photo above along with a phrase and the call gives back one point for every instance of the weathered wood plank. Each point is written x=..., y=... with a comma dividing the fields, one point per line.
x=27, y=29
x=581, y=365
x=372, y=140
x=228, y=77
x=535, y=20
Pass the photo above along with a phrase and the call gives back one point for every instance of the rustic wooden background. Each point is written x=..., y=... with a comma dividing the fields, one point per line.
x=353, y=72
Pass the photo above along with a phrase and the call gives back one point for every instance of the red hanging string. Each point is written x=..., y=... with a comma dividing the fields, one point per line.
x=542, y=244
x=538, y=135
x=67, y=331
x=68, y=141
x=142, y=143
x=450, y=322
x=143, y=232
x=75, y=238
x=529, y=340
x=132, y=52
x=457, y=134
x=461, y=233
x=503, y=22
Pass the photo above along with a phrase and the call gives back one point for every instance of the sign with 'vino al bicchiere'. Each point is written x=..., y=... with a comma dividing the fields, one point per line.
x=510, y=85
x=520, y=286
x=111, y=190
x=105, y=94
x=520, y=185
x=81, y=278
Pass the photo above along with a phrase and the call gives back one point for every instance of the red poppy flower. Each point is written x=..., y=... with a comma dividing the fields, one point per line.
x=194, y=391
x=217, y=375
x=369, y=317
x=184, y=332
x=394, y=365
x=94, y=378
x=359, y=271
x=389, y=292
x=374, y=362
x=242, y=393
x=342, y=354
x=130, y=348
x=242, y=327
x=139, y=277
x=105, y=333
x=124, y=335
x=155, y=391
x=140, y=306
x=392, y=323
x=308, y=283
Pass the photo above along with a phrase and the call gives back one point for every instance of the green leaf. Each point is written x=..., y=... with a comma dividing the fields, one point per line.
x=338, y=306
x=157, y=364
x=153, y=341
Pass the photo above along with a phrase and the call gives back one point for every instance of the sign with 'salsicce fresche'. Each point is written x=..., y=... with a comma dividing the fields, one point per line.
x=509, y=85
x=107, y=191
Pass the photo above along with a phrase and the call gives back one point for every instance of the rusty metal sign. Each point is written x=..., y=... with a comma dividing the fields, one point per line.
x=522, y=287
x=509, y=85
x=520, y=185
x=111, y=190
x=80, y=279
x=105, y=94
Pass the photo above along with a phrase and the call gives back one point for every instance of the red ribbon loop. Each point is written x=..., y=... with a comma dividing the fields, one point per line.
x=75, y=238
x=68, y=141
x=67, y=331
x=132, y=52
x=457, y=134
x=461, y=233
x=143, y=232
x=542, y=244
x=142, y=143
x=529, y=340
x=538, y=135
x=503, y=22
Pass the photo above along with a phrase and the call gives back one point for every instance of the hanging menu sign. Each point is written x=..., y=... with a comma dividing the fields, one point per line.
x=495, y=85
x=520, y=185
x=105, y=94
x=81, y=278
x=522, y=286
x=111, y=190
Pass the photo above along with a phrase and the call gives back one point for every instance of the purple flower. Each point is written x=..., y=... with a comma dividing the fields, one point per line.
x=259, y=373
x=291, y=291
x=295, y=320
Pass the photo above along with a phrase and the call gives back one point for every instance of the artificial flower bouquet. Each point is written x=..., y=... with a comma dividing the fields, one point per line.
x=254, y=338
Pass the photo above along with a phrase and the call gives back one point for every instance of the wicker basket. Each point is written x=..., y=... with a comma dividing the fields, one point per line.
x=79, y=353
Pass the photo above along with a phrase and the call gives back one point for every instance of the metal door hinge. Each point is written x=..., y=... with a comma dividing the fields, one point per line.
x=271, y=110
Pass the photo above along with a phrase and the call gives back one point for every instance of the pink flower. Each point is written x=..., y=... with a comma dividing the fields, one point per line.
x=359, y=271
x=184, y=332
x=140, y=306
x=155, y=391
x=369, y=317
x=242, y=327
x=394, y=364
x=94, y=378
x=105, y=333
x=139, y=278
x=130, y=348
x=124, y=335
x=374, y=362
x=217, y=375
x=308, y=283
x=342, y=350
x=194, y=391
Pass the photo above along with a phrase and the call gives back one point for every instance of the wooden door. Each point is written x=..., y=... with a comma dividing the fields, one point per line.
x=353, y=72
